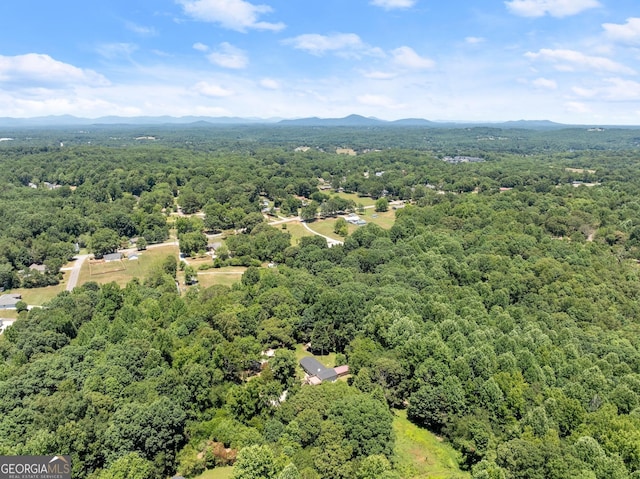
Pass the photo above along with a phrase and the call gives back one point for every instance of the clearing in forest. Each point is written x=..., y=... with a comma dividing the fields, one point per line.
x=421, y=454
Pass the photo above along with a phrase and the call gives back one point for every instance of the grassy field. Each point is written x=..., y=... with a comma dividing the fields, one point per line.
x=328, y=360
x=124, y=271
x=217, y=473
x=325, y=227
x=421, y=454
x=9, y=314
x=363, y=200
x=296, y=230
x=224, y=276
x=384, y=220
x=40, y=296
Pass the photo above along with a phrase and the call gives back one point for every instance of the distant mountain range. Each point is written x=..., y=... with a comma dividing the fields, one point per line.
x=348, y=121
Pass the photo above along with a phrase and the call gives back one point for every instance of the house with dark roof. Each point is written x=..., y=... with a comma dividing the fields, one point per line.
x=317, y=373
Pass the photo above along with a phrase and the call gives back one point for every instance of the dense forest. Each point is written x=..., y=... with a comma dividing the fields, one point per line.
x=500, y=310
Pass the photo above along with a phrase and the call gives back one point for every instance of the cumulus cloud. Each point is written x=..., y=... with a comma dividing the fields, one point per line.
x=270, y=84
x=35, y=69
x=571, y=60
x=201, y=47
x=345, y=44
x=628, y=33
x=545, y=83
x=392, y=4
x=554, y=8
x=211, y=89
x=406, y=57
x=232, y=14
x=228, y=56
x=613, y=89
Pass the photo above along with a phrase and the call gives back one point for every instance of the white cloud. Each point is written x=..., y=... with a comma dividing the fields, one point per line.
x=229, y=56
x=474, y=40
x=211, y=89
x=391, y=4
x=378, y=101
x=37, y=69
x=576, y=107
x=232, y=14
x=545, y=83
x=201, y=47
x=406, y=57
x=627, y=33
x=116, y=50
x=379, y=75
x=270, y=84
x=555, y=8
x=141, y=30
x=570, y=60
x=614, y=89
x=345, y=44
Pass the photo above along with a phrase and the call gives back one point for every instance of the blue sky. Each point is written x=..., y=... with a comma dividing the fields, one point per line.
x=572, y=61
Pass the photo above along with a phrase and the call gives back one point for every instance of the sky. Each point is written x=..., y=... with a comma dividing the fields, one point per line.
x=569, y=61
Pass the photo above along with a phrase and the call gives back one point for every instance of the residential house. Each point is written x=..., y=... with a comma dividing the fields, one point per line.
x=9, y=301
x=317, y=373
x=112, y=257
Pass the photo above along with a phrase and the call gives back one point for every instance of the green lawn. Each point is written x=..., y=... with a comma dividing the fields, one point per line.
x=224, y=276
x=124, y=271
x=384, y=220
x=325, y=227
x=364, y=200
x=217, y=473
x=421, y=454
x=40, y=296
x=328, y=360
x=296, y=230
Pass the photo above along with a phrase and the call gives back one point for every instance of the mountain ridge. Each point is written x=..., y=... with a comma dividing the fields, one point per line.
x=352, y=120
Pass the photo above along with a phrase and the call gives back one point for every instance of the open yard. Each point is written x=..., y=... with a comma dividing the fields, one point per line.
x=40, y=296
x=124, y=271
x=217, y=473
x=296, y=230
x=364, y=200
x=220, y=276
x=328, y=360
x=420, y=454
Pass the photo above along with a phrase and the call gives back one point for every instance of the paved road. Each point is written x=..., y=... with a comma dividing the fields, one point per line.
x=75, y=271
x=330, y=241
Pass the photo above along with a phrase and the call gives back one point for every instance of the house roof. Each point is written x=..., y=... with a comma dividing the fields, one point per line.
x=314, y=380
x=9, y=299
x=327, y=375
x=313, y=367
x=112, y=256
x=341, y=370
x=38, y=267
